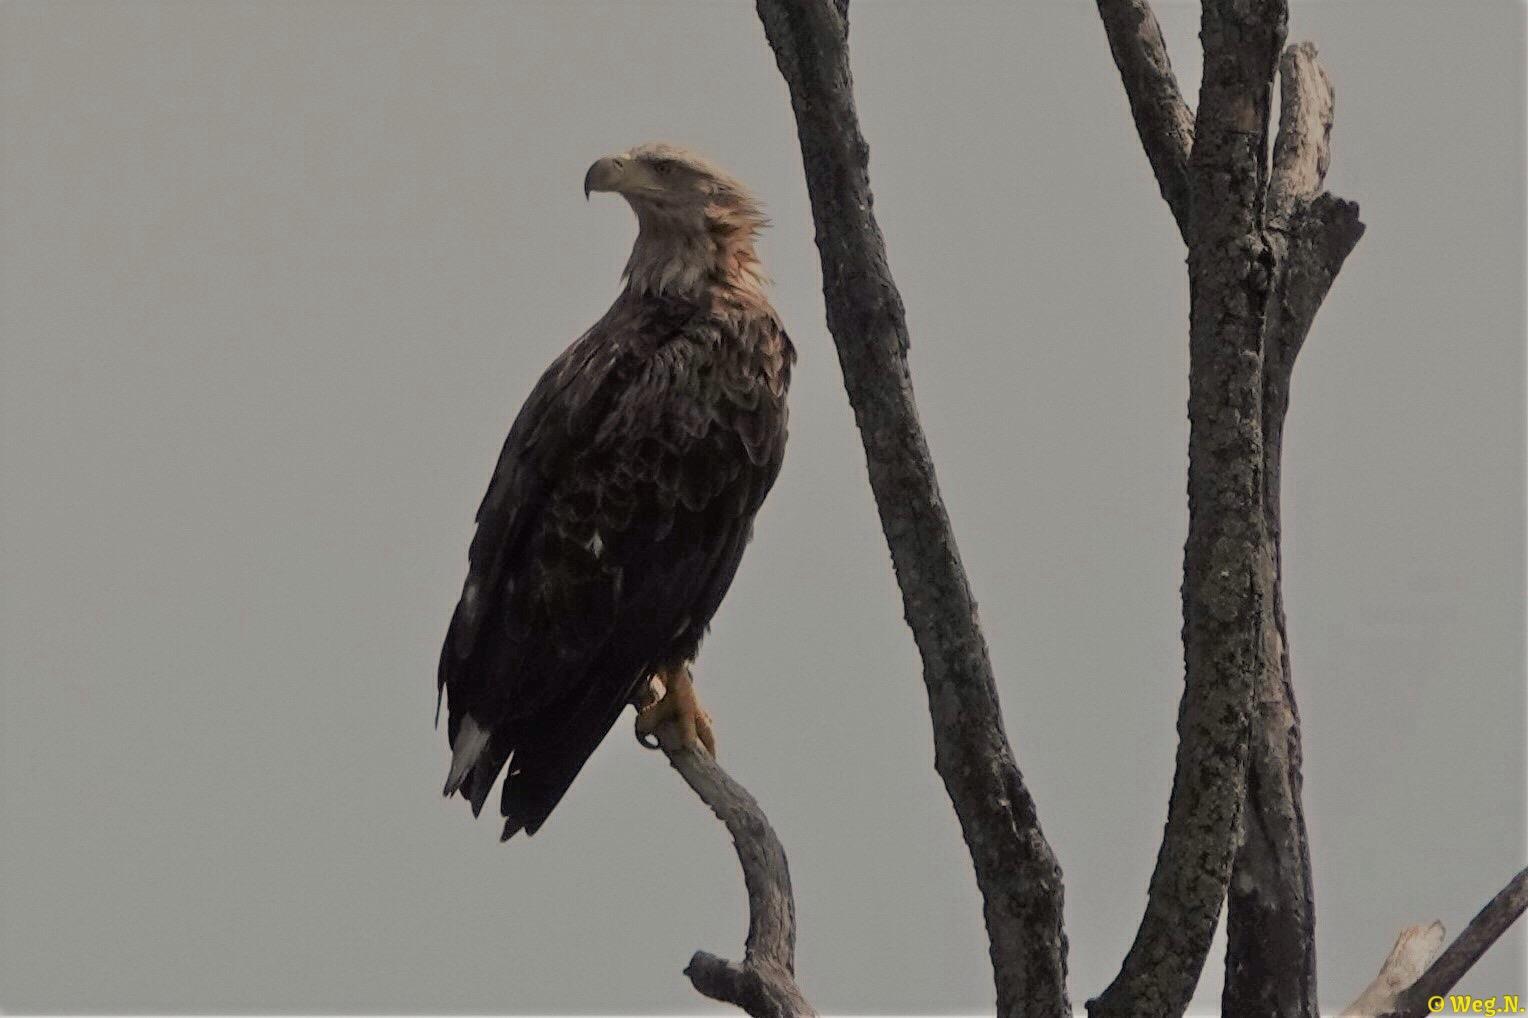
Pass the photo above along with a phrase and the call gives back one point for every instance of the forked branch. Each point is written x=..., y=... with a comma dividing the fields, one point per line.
x=1285, y=244
x=1228, y=563
x=1271, y=950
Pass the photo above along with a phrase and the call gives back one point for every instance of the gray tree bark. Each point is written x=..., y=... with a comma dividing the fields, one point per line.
x=1293, y=241
x=1264, y=247
x=764, y=983
x=1228, y=565
x=1282, y=243
x=1017, y=872
x=1271, y=951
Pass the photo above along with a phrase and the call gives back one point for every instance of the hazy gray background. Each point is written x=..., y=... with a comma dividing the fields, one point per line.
x=276, y=278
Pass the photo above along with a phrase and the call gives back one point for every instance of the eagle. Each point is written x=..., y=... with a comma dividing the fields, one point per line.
x=622, y=500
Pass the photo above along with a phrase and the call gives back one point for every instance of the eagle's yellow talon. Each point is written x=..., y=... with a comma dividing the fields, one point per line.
x=669, y=713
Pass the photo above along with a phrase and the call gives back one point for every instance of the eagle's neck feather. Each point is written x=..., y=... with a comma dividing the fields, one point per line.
x=709, y=254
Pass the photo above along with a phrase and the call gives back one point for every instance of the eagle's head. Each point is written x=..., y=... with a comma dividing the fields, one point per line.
x=696, y=223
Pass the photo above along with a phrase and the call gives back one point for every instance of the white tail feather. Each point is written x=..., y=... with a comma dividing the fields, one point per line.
x=469, y=746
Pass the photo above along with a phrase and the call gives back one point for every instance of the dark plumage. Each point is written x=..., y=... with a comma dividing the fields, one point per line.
x=624, y=495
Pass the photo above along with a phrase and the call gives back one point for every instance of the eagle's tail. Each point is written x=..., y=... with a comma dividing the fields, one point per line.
x=545, y=752
x=466, y=748
x=545, y=764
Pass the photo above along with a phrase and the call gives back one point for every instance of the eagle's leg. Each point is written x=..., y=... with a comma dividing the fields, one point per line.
x=670, y=710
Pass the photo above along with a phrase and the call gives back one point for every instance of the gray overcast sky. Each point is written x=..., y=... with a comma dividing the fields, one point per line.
x=276, y=277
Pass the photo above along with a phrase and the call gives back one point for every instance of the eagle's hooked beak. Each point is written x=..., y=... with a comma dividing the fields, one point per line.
x=605, y=175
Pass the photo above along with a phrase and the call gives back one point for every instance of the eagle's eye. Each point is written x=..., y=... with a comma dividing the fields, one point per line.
x=665, y=167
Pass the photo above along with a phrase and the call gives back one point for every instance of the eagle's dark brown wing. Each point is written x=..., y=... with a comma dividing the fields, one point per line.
x=610, y=533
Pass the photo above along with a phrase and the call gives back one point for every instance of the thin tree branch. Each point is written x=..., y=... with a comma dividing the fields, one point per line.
x=1270, y=951
x=764, y=984
x=1228, y=560
x=1162, y=118
x=1460, y=956
x=1015, y=868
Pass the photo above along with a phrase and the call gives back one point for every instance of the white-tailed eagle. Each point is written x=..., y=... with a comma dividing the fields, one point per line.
x=623, y=498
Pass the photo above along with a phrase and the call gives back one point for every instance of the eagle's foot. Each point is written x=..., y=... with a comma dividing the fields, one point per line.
x=670, y=716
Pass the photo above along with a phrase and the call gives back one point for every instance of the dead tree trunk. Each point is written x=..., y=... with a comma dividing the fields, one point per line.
x=1265, y=243
x=1019, y=877
x=1228, y=566
x=1271, y=951
x=1287, y=242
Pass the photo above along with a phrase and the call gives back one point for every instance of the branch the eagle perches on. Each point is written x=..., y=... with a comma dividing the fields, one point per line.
x=764, y=983
x=1265, y=244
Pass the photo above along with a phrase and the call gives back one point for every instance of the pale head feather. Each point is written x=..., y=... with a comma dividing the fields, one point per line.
x=697, y=224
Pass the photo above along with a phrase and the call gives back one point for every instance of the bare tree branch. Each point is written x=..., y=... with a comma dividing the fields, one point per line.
x=1312, y=233
x=1460, y=956
x=1302, y=237
x=1271, y=952
x=1162, y=118
x=1016, y=870
x=1228, y=561
x=764, y=985
x=1414, y=950
x=1302, y=151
